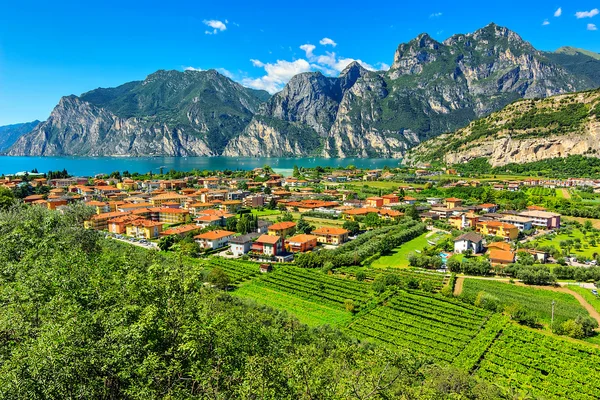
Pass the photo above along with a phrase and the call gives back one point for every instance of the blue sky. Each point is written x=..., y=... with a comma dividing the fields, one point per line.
x=50, y=49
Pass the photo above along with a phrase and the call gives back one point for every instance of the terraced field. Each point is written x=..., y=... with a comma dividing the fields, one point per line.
x=427, y=324
x=545, y=366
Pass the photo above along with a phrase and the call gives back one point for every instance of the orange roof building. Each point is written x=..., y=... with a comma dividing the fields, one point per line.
x=331, y=235
x=301, y=243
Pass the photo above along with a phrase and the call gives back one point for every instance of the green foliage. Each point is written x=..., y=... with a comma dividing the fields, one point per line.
x=352, y=226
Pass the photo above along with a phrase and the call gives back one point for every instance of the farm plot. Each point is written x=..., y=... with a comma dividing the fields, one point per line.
x=237, y=270
x=423, y=277
x=545, y=366
x=539, y=301
x=316, y=286
x=429, y=325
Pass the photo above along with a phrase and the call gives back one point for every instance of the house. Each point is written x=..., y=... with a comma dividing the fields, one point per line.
x=489, y=207
x=469, y=241
x=100, y=221
x=181, y=230
x=301, y=243
x=409, y=200
x=501, y=257
x=142, y=228
x=390, y=198
x=497, y=228
x=499, y=246
x=268, y=244
x=170, y=197
x=331, y=235
x=434, y=200
x=241, y=244
x=453, y=202
x=265, y=268
x=543, y=219
x=214, y=239
x=374, y=202
x=262, y=226
x=119, y=225
x=282, y=228
x=522, y=223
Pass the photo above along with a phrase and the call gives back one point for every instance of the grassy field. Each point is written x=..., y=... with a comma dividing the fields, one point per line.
x=586, y=250
x=399, y=256
x=587, y=295
x=308, y=312
x=595, y=222
x=265, y=212
x=539, y=301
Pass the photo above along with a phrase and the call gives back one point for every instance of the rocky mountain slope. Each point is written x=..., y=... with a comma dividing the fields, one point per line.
x=191, y=113
x=431, y=88
x=9, y=134
x=525, y=131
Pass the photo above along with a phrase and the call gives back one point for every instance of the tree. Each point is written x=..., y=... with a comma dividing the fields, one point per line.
x=411, y=212
x=296, y=174
x=272, y=204
x=453, y=264
x=303, y=226
x=166, y=242
x=372, y=220
x=7, y=198
x=218, y=278
x=231, y=224
x=267, y=190
x=242, y=185
x=352, y=226
x=189, y=248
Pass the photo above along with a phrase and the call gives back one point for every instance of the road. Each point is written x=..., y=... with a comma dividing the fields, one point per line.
x=148, y=246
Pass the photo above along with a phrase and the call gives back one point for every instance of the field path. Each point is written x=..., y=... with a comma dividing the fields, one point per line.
x=566, y=194
x=458, y=285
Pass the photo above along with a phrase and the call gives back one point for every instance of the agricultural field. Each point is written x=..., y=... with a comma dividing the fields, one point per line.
x=432, y=326
x=398, y=258
x=314, y=285
x=542, y=191
x=587, y=295
x=308, y=312
x=545, y=366
x=538, y=301
x=237, y=270
x=589, y=245
x=433, y=279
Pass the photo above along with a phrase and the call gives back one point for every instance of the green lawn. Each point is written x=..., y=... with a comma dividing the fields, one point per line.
x=398, y=258
x=586, y=250
x=539, y=301
x=262, y=213
x=307, y=312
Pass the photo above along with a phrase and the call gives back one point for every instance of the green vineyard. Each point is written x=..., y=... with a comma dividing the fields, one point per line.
x=237, y=270
x=430, y=325
x=545, y=366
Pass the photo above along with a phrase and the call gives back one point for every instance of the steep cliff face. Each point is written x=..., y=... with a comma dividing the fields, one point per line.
x=169, y=113
x=9, y=134
x=525, y=131
x=430, y=89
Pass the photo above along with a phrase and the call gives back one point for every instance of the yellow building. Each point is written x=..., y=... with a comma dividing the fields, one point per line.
x=331, y=235
x=282, y=228
x=144, y=229
x=170, y=197
x=497, y=228
x=231, y=206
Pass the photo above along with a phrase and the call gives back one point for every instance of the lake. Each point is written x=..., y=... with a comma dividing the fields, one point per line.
x=90, y=166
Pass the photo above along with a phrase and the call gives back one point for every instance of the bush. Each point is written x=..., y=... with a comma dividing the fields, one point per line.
x=487, y=301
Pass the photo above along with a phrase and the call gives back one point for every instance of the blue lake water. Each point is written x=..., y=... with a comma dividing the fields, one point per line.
x=89, y=166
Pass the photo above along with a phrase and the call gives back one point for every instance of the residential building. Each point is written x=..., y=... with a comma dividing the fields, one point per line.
x=254, y=201
x=374, y=202
x=543, y=219
x=100, y=221
x=142, y=228
x=390, y=198
x=168, y=215
x=282, y=229
x=169, y=197
x=268, y=244
x=331, y=235
x=489, y=207
x=301, y=243
x=468, y=241
x=523, y=223
x=214, y=239
x=240, y=245
x=501, y=257
x=181, y=230
x=497, y=228
x=119, y=225
x=453, y=202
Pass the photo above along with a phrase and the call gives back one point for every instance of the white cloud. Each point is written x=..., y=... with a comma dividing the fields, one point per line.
x=308, y=49
x=278, y=74
x=225, y=72
x=558, y=12
x=546, y=22
x=383, y=66
x=587, y=14
x=435, y=15
x=592, y=27
x=217, y=26
x=192, y=69
x=327, y=42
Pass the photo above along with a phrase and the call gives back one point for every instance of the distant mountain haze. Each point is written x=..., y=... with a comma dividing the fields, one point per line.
x=431, y=88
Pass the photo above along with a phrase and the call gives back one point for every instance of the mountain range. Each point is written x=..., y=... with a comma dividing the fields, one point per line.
x=431, y=88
